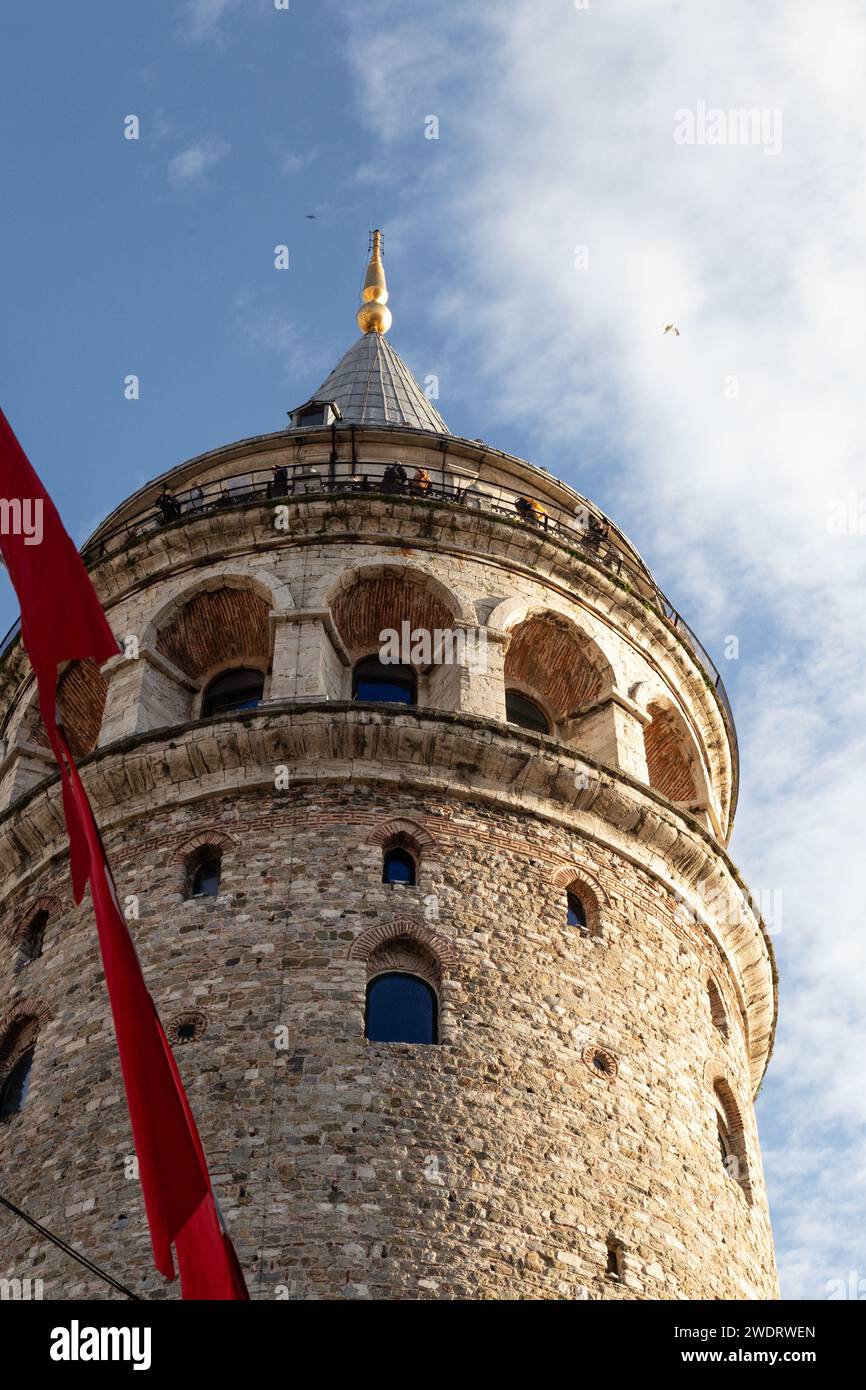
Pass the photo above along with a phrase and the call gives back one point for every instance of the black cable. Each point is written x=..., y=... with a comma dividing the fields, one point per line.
x=68, y=1250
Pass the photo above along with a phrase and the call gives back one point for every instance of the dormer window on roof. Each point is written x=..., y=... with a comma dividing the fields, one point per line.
x=315, y=412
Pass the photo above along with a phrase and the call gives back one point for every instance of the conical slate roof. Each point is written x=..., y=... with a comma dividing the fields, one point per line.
x=373, y=386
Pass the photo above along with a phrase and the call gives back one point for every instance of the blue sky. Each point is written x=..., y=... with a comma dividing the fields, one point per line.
x=534, y=252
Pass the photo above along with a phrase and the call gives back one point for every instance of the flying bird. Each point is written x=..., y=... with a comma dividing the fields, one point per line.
x=310, y=216
x=672, y=328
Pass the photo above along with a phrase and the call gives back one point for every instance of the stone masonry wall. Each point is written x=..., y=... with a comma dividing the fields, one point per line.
x=497, y=1164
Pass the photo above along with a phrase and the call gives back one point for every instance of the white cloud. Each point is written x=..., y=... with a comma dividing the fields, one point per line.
x=292, y=163
x=557, y=131
x=203, y=16
x=266, y=331
x=190, y=165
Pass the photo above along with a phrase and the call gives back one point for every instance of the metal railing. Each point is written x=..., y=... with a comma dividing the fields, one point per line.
x=585, y=531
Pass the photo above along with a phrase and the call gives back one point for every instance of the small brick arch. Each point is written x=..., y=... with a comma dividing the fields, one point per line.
x=204, y=839
x=375, y=938
x=402, y=827
x=187, y=1018
x=30, y=1011
x=591, y=893
x=568, y=874
x=718, y=1009
x=18, y=926
x=726, y=1104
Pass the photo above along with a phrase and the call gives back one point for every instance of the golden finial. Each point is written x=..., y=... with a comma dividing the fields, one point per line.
x=373, y=315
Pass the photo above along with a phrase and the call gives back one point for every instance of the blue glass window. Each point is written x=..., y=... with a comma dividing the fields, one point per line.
x=576, y=913
x=523, y=712
x=206, y=879
x=398, y=866
x=233, y=690
x=13, y=1092
x=375, y=680
x=401, y=1008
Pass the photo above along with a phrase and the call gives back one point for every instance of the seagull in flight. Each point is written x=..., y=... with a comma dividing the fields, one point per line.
x=672, y=328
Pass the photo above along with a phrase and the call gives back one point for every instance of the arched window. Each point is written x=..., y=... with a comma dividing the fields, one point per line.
x=233, y=690
x=523, y=712
x=731, y=1138
x=717, y=1008
x=726, y=1147
x=377, y=680
x=203, y=872
x=206, y=879
x=398, y=866
x=401, y=1008
x=576, y=913
x=32, y=939
x=13, y=1092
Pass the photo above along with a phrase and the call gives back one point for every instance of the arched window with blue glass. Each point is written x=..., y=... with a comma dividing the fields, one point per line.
x=399, y=865
x=230, y=691
x=203, y=871
x=17, y=1051
x=381, y=682
x=581, y=906
x=401, y=1008
x=575, y=912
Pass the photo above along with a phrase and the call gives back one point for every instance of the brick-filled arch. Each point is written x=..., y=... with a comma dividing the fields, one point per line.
x=728, y=1115
x=367, y=603
x=549, y=656
x=405, y=956
x=670, y=754
x=217, y=628
x=81, y=693
x=718, y=1012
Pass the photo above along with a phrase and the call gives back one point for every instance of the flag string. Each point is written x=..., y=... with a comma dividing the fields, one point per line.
x=67, y=1249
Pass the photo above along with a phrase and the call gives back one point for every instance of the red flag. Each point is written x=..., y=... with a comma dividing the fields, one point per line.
x=62, y=620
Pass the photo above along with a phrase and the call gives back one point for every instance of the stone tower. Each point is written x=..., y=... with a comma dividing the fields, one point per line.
x=519, y=821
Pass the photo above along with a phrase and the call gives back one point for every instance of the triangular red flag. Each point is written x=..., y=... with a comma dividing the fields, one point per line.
x=62, y=620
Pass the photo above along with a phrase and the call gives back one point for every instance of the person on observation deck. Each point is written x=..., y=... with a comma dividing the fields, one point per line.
x=394, y=478
x=168, y=505
x=529, y=510
x=279, y=484
x=420, y=480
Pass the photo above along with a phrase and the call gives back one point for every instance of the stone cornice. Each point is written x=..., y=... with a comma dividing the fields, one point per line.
x=450, y=754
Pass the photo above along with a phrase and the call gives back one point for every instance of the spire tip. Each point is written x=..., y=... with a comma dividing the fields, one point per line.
x=374, y=316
